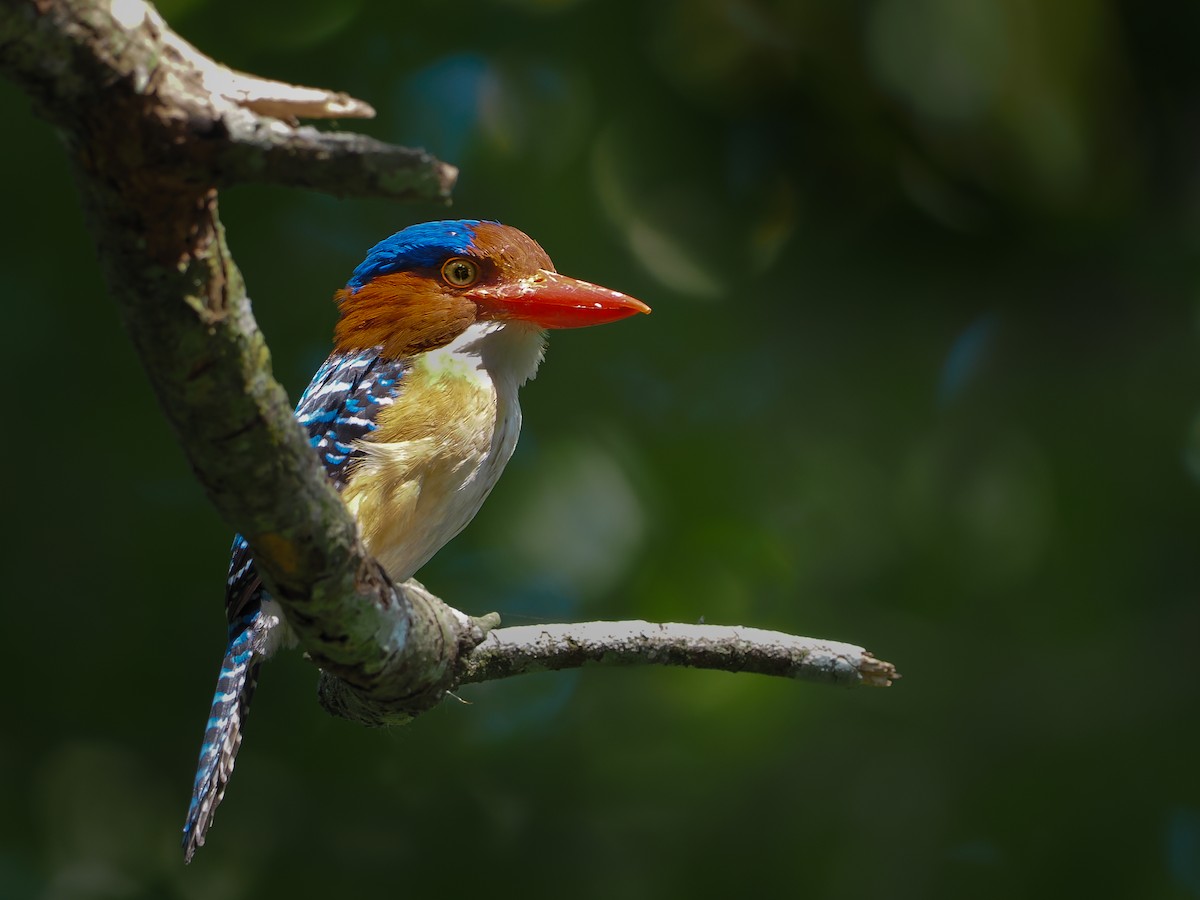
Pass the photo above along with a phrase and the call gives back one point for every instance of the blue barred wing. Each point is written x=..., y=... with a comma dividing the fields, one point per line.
x=339, y=407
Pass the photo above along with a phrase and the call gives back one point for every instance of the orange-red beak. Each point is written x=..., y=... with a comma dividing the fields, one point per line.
x=555, y=301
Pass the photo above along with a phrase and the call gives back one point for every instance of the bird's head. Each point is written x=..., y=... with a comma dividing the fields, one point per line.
x=423, y=286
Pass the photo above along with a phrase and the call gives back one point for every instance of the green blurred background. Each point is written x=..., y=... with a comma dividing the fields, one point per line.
x=921, y=375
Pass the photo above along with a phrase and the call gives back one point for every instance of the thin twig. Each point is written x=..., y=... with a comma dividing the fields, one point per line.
x=533, y=648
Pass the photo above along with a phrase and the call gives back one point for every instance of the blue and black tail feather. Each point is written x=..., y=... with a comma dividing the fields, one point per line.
x=244, y=653
x=223, y=733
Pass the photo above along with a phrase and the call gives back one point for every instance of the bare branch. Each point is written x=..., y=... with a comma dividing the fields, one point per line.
x=342, y=164
x=506, y=652
x=535, y=648
x=95, y=69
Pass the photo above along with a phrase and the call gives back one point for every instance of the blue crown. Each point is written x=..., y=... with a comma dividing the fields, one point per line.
x=426, y=244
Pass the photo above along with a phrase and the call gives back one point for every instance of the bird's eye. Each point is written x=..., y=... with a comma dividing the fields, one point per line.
x=460, y=272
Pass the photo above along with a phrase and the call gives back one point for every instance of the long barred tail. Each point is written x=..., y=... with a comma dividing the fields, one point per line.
x=223, y=734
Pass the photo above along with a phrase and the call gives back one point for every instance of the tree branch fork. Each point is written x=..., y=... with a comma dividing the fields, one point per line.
x=154, y=128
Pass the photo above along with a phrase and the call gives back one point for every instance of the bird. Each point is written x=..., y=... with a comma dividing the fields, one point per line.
x=414, y=415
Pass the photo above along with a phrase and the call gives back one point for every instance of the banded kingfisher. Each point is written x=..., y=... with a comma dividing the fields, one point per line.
x=414, y=415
